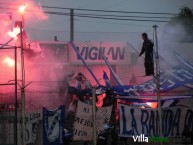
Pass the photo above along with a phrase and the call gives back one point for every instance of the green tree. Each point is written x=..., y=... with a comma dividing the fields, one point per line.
x=183, y=21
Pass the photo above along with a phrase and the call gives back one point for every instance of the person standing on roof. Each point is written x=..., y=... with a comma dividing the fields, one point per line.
x=147, y=48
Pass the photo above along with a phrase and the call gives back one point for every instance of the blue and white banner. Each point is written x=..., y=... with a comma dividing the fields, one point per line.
x=32, y=125
x=176, y=80
x=53, y=125
x=136, y=121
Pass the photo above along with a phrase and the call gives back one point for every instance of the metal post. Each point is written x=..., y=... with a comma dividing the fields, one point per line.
x=7, y=43
x=15, y=84
x=94, y=114
x=22, y=86
x=71, y=24
x=16, y=104
x=78, y=53
x=23, y=22
x=158, y=81
x=117, y=80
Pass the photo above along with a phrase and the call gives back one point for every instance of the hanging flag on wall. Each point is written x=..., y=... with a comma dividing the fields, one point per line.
x=83, y=123
x=32, y=126
x=53, y=125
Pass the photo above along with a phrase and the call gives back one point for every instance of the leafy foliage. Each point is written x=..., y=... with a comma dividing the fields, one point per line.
x=185, y=19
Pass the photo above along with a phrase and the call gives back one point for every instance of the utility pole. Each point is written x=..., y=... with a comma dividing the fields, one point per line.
x=71, y=24
x=22, y=85
x=22, y=40
x=158, y=81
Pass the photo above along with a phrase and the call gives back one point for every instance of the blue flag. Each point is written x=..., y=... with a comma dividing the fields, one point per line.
x=53, y=126
x=107, y=81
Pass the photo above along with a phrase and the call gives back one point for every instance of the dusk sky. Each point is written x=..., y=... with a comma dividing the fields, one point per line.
x=130, y=22
x=82, y=24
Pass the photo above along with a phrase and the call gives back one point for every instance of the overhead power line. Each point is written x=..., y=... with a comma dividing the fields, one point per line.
x=101, y=15
x=108, y=16
x=111, y=11
x=94, y=10
x=122, y=16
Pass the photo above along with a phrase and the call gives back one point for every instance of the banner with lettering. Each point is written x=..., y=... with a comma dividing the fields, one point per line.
x=91, y=52
x=32, y=125
x=136, y=121
x=83, y=124
x=53, y=125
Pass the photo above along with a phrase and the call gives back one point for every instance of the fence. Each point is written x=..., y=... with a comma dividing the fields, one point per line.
x=48, y=66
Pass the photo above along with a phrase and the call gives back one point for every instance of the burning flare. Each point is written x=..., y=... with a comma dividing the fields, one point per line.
x=14, y=33
x=9, y=61
x=22, y=9
x=152, y=104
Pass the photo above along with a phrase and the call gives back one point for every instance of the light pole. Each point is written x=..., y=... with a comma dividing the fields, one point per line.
x=22, y=89
x=22, y=10
x=158, y=82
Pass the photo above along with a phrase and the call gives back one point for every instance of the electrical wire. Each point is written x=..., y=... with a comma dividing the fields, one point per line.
x=120, y=16
x=93, y=10
x=107, y=18
x=127, y=12
x=110, y=17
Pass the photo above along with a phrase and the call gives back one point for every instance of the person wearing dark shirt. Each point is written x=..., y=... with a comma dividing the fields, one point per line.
x=147, y=48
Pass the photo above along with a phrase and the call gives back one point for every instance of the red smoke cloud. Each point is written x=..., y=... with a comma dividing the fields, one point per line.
x=9, y=14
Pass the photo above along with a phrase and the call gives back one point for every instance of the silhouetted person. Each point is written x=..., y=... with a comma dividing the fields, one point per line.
x=147, y=48
x=84, y=87
x=109, y=98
